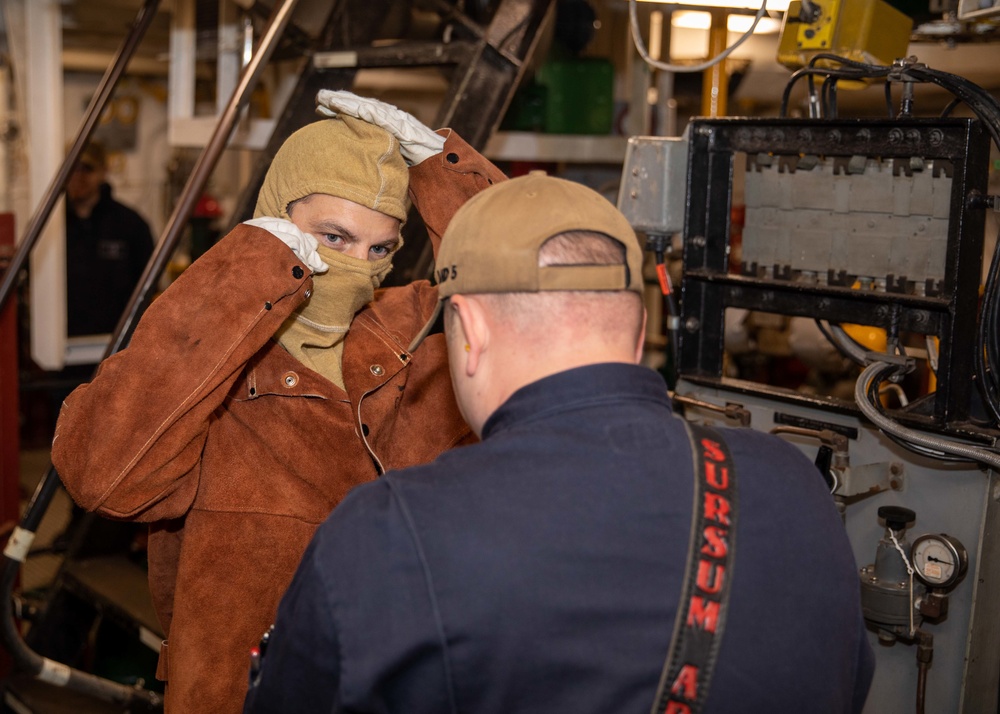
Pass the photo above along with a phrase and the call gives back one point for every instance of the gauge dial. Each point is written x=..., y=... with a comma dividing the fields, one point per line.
x=939, y=559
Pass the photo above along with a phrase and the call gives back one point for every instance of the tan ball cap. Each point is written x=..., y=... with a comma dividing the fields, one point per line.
x=492, y=242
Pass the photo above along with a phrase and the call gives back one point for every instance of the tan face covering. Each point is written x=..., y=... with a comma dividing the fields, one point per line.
x=315, y=333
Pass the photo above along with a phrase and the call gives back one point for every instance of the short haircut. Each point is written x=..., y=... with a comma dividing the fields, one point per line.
x=608, y=311
x=581, y=248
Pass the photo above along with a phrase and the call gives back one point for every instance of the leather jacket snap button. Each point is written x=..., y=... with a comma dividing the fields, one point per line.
x=291, y=379
x=378, y=370
x=297, y=272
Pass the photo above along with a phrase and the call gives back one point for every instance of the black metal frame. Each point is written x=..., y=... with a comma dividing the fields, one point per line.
x=708, y=288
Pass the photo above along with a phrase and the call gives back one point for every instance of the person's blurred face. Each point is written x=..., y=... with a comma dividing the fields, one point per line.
x=84, y=182
x=345, y=226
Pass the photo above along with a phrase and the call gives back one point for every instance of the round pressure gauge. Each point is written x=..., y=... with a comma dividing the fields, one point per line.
x=939, y=559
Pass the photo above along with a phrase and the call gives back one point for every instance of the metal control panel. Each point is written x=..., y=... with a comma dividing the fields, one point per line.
x=871, y=223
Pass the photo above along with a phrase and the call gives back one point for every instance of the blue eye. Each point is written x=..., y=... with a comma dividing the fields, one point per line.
x=380, y=250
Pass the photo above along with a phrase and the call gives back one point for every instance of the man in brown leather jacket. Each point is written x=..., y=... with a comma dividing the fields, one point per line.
x=244, y=408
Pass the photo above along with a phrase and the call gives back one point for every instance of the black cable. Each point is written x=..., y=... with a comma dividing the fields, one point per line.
x=829, y=338
x=866, y=70
x=872, y=391
x=829, y=56
x=810, y=71
x=811, y=88
x=951, y=107
x=850, y=69
x=983, y=104
x=830, y=98
x=988, y=339
x=839, y=345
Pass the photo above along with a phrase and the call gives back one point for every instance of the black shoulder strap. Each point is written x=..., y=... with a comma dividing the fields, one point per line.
x=701, y=611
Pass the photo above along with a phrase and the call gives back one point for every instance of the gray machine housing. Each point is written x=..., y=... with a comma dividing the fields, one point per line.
x=849, y=221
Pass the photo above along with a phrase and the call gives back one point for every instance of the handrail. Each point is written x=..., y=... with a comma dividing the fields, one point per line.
x=199, y=176
x=18, y=544
x=24, y=657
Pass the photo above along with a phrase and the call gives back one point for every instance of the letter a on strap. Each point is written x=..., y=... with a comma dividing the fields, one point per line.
x=701, y=611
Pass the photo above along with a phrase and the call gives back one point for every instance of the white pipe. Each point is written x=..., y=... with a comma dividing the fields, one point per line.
x=42, y=61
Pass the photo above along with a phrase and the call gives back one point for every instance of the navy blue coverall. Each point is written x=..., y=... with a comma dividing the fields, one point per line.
x=539, y=571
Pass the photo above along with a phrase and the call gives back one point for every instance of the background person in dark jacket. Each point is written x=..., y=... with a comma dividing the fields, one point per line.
x=107, y=247
x=540, y=570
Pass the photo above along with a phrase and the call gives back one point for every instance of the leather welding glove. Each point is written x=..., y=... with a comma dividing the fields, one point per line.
x=302, y=244
x=416, y=141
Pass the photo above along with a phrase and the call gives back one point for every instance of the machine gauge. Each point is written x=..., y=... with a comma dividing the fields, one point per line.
x=939, y=559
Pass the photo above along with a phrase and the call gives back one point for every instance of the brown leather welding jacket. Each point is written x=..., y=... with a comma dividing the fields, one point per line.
x=234, y=451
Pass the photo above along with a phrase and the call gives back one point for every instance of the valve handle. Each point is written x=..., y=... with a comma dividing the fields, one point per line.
x=896, y=517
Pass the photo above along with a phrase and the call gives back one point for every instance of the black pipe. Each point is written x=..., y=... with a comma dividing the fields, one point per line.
x=26, y=659
x=925, y=653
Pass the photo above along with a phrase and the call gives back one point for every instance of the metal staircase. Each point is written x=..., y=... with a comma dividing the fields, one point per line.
x=99, y=581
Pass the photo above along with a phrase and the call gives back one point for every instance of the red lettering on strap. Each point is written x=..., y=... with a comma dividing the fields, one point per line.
x=716, y=508
x=713, y=450
x=686, y=684
x=715, y=542
x=677, y=708
x=710, y=577
x=716, y=478
x=703, y=613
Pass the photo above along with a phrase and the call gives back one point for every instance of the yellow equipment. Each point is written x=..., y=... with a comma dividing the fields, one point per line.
x=869, y=31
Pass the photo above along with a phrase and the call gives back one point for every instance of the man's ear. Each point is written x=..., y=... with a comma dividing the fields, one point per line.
x=475, y=327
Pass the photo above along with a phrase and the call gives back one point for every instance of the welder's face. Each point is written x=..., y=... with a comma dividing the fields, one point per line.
x=346, y=226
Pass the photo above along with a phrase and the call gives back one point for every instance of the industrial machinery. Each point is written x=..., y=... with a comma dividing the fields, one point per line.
x=878, y=223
